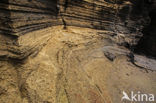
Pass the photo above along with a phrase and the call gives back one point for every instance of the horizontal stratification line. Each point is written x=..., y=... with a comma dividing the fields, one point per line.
x=91, y=20
x=7, y=32
x=77, y=3
x=91, y=25
x=111, y=2
x=33, y=27
x=28, y=28
x=23, y=11
x=89, y=3
x=24, y=7
x=93, y=16
x=91, y=11
x=27, y=19
x=45, y=4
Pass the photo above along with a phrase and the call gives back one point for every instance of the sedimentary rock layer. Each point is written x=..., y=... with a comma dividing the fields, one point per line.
x=75, y=51
x=20, y=17
x=124, y=20
x=77, y=65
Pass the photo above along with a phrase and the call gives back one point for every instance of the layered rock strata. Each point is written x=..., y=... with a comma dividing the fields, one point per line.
x=74, y=51
x=124, y=20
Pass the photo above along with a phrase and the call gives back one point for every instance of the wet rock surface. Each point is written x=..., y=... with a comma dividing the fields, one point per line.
x=75, y=51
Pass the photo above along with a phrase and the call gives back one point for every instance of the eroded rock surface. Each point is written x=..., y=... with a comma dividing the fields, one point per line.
x=123, y=19
x=73, y=51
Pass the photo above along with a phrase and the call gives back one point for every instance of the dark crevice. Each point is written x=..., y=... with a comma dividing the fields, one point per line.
x=66, y=5
x=147, y=44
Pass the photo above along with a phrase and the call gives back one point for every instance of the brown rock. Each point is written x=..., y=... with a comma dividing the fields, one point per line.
x=72, y=51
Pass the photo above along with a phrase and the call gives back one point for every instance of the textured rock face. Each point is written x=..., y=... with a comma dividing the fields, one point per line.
x=20, y=17
x=74, y=66
x=124, y=19
x=73, y=51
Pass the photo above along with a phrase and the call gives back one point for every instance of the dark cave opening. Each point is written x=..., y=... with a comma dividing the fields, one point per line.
x=147, y=44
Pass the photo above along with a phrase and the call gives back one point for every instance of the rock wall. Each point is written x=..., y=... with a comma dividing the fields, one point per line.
x=74, y=51
x=124, y=20
x=20, y=17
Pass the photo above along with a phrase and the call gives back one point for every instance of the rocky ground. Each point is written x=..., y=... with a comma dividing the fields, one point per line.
x=75, y=65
